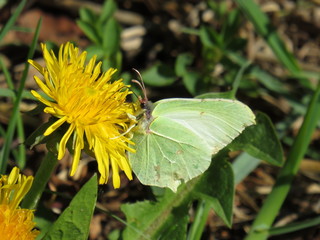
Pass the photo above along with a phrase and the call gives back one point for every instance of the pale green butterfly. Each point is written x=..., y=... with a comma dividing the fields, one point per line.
x=176, y=138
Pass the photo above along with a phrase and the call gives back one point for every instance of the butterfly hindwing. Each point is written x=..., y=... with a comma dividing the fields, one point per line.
x=169, y=156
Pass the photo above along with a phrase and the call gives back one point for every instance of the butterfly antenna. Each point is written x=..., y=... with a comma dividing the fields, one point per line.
x=141, y=84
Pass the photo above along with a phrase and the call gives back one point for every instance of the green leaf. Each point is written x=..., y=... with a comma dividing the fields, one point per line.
x=167, y=218
x=183, y=61
x=4, y=152
x=86, y=15
x=4, y=92
x=191, y=82
x=199, y=221
x=294, y=226
x=243, y=165
x=264, y=28
x=262, y=76
x=260, y=141
x=268, y=80
x=113, y=61
x=159, y=75
x=227, y=95
x=20, y=157
x=95, y=50
x=109, y=7
x=37, y=136
x=210, y=38
x=44, y=218
x=90, y=31
x=238, y=77
x=176, y=142
x=111, y=36
x=275, y=199
x=74, y=222
x=9, y=24
x=217, y=186
x=40, y=181
x=230, y=27
x=152, y=219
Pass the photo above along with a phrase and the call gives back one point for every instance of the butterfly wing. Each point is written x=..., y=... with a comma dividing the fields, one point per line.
x=182, y=137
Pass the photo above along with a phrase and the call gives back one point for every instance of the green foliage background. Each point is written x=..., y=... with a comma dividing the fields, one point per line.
x=190, y=73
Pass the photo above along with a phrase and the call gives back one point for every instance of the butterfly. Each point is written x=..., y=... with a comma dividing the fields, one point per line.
x=176, y=138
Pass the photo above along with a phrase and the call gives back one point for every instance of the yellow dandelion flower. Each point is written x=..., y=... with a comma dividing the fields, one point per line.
x=15, y=223
x=94, y=107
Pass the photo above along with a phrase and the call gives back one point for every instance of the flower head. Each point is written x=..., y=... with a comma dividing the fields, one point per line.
x=15, y=223
x=93, y=106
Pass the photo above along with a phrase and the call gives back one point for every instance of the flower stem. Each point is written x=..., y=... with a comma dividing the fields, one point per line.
x=40, y=181
x=274, y=201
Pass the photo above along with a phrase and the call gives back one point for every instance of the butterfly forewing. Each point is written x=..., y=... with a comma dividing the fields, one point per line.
x=217, y=121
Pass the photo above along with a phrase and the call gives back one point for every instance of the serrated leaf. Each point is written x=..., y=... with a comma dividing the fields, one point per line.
x=74, y=222
x=260, y=141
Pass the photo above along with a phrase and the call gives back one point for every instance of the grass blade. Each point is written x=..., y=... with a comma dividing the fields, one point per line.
x=4, y=154
x=200, y=220
x=295, y=226
x=238, y=78
x=274, y=201
x=21, y=157
x=6, y=75
x=265, y=29
x=12, y=19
